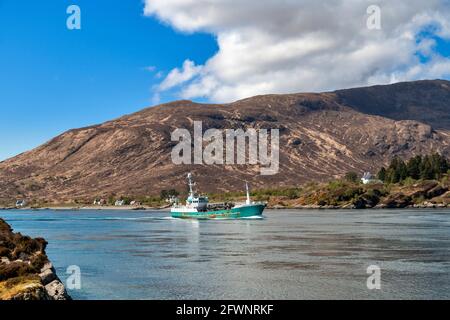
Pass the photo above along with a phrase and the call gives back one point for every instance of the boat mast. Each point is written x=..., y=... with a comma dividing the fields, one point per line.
x=248, y=194
x=191, y=185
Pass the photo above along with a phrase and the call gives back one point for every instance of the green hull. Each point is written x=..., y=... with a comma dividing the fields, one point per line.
x=254, y=210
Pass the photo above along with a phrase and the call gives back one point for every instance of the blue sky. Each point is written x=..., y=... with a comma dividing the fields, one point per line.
x=53, y=79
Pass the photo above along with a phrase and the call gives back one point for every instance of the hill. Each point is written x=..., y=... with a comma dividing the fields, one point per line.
x=322, y=136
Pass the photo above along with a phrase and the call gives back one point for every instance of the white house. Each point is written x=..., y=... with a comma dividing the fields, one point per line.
x=368, y=178
x=21, y=203
x=119, y=203
x=172, y=199
x=99, y=202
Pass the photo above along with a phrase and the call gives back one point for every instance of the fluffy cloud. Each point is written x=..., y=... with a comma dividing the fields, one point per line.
x=280, y=46
x=177, y=76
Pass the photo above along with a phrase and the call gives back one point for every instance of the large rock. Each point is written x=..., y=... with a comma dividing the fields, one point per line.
x=396, y=201
x=5, y=260
x=421, y=189
x=56, y=290
x=47, y=276
x=436, y=192
x=367, y=200
x=20, y=276
x=48, y=266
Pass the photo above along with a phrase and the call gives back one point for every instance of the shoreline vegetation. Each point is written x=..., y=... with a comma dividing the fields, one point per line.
x=25, y=270
x=420, y=182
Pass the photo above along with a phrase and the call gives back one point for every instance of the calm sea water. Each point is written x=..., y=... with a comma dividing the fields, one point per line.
x=288, y=255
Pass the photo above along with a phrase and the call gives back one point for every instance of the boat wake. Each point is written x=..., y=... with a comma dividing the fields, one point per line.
x=253, y=218
x=215, y=219
x=88, y=219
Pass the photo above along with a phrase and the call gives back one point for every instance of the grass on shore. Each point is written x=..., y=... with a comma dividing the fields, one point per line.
x=19, y=285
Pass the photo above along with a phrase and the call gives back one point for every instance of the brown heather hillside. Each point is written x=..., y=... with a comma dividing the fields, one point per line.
x=25, y=271
x=322, y=136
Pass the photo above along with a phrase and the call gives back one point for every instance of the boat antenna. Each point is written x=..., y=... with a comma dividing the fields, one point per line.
x=248, y=193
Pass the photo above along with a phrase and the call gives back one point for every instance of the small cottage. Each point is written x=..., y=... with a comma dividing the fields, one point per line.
x=367, y=178
x=99, y=202
x=21, y=203
x=119, y=203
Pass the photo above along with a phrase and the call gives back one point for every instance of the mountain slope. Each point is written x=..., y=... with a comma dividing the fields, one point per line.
x=426, y=101
x=321, y=136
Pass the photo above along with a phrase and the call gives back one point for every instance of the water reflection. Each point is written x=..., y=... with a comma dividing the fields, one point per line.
x=288, y=255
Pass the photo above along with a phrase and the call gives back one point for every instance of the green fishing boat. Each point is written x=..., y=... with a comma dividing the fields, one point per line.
x=198, y=207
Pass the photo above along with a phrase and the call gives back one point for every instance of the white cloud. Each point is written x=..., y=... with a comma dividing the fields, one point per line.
x=177, y=76
x=278, y=46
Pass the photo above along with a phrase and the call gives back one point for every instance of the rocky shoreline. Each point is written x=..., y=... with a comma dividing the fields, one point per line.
x=76, y=208
x=337, y=194
x=25, y=271
x=345, y=195
x=426, y=205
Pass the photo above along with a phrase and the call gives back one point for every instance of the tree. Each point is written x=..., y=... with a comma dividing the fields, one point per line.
x=440, y=165
x=403, y=171
x=168, y=194
x=413, y=167
x=382, y=174
x=173, y=193
x=111, y=200
x=426, y=169
x=395, y=171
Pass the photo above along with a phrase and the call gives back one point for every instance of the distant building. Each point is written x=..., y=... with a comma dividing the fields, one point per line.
x=135, y=203
x=172, y=199
x=119, y=203
x=21, y=203
x=99, y=202
x=368, y=178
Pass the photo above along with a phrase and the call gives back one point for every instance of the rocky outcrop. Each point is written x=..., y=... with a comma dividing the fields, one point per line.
x=341, y=194
x=56, y=290
x=25, y=272
x=396, y=201
x=47, y=274
x=53, y=285
x=436, y=192
x=322, y=136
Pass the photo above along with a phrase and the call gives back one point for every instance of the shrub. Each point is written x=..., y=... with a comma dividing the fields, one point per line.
x=165, y=194
x=419, y=200
x=409, y=181
x=26, y=245
x=38, y=261
x=351, y=176
x=14, y=269
x=336, y=184
x=10, y=283
x=5, y=252
x=445, y=181
x=347, y=194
